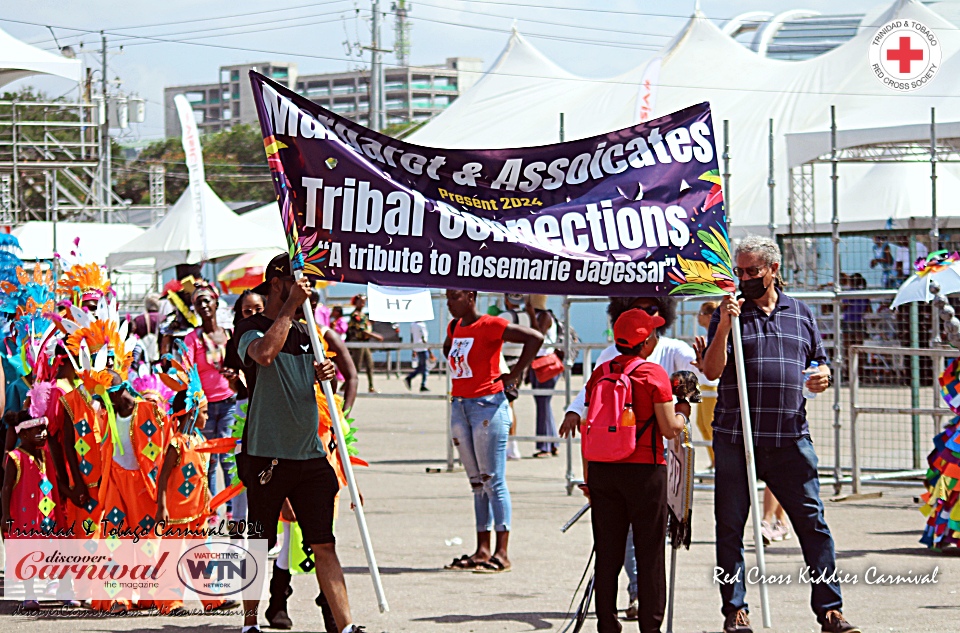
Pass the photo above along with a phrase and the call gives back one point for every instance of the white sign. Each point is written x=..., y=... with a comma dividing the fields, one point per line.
x=193, y=154
x=399, y=305
x=905, y=55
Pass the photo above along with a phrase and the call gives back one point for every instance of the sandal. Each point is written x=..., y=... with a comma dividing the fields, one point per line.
x=464, y=563
x=542, y=454
x=492, y=566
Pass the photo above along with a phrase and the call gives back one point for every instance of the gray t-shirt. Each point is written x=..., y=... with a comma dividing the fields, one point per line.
x=282, y=415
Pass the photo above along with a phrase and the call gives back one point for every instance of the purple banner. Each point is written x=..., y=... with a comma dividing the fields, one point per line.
x=634, y=212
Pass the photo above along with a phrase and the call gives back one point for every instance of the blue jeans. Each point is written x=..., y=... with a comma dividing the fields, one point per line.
x=480, y=427
x=545, y=422
x=791, y=474
x=420, y=369
x=220, y=417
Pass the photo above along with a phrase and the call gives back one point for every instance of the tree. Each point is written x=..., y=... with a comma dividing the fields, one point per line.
x=233, y=161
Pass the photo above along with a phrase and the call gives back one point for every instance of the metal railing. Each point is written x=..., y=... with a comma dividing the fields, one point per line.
x=891, y=457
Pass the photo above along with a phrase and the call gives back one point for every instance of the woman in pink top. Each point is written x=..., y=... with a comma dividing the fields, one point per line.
x=207, y=348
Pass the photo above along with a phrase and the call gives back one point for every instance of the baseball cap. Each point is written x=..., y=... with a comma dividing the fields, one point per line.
x=514, y=297
x=634, y=327
x=278, y=267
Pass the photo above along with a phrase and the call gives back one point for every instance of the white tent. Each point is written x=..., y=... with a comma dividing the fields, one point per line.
x=175, y=238
x=518, y=102
x=267, y=216
x=96, y=240
x=19, y=59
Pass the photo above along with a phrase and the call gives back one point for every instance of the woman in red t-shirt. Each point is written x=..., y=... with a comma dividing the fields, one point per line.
x=633, y=490
x=480, y=418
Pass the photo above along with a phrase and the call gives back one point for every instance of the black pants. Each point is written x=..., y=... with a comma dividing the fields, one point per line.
x=621, y=496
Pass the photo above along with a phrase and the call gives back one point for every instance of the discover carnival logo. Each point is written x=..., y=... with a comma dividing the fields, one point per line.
x=905, y=55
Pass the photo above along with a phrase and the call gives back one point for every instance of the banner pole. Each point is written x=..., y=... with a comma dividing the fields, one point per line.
x=568, y=388
x=344, y=455
x=756, y=510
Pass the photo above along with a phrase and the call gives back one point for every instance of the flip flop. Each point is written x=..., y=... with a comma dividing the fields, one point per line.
x=492, y=566
x=461, y=564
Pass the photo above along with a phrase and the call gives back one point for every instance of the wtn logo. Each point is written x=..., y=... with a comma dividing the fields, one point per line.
x=221, y=568
x=224, y=569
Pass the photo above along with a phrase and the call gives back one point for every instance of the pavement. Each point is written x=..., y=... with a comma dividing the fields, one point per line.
x=416, y=519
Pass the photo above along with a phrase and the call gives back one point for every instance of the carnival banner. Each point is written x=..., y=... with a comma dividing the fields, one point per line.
x=638, y=211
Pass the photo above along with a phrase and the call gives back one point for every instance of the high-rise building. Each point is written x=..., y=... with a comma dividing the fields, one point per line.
x=411, y=93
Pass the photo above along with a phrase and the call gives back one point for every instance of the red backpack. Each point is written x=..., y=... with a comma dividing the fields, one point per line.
x=611, y=432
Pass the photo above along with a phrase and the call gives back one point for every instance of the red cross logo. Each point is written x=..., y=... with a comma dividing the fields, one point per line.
x=905, y=55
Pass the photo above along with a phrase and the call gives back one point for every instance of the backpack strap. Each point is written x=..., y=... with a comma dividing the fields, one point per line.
x=653, y=436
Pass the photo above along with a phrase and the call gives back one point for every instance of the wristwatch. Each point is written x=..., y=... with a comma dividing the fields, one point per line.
x=829, y=380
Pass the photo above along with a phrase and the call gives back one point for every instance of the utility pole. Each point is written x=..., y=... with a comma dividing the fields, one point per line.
x=376, y=72
x=104, y=132
x=401, y=36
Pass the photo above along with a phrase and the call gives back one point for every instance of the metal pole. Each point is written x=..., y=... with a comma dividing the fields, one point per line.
x=376, y=71
x=915, y=369
x=562, y=129
x=673, y=584
x=726, y=170
x=854, y=392
x=344, y=456
x=568, y=387
x=755, y=507
x=771, y=183
x=104, y=131
x=837, y=320
x=55, y=212
x=451, y=465
x=935, y=228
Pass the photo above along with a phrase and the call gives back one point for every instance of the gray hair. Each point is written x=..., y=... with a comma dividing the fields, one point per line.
x=764, y=247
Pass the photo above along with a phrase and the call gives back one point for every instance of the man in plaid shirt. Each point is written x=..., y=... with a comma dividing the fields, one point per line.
x=780, y=340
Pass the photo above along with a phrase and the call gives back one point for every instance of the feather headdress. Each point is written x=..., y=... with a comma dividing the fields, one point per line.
x=183, y=376
x=30, y=301
x=83, y=282
x=89, y=335
x=151, y=385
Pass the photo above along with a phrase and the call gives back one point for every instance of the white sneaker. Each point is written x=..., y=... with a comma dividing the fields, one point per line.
x=513, y=450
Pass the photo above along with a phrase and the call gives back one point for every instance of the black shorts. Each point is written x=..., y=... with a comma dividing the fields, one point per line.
x=311, y=485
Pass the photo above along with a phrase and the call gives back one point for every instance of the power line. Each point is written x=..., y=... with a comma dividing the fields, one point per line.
x=538, y=21
x=212, y=18
x=544, y=36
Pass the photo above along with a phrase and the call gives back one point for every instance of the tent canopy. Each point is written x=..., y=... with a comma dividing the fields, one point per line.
x=518, y=101
x=96, y=239
x=19, y=59
x=176, y=238
x=803, y=147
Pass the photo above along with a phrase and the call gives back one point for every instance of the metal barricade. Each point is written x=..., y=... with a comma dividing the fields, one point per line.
x=894, y=448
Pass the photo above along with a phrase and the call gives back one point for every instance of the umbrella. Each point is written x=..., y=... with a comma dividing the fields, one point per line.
x=939, y=267
x=246, y=272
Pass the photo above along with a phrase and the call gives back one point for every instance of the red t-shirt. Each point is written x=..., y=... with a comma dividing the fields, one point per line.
x=650, y=384
x=474, y=357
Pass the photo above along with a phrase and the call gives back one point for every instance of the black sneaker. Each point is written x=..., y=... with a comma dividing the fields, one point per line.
x=424, y=388
x=834, y=622
x=355, y=628
x=407, y=381
x=279, y=620
x=737, y=622
x=329, y=623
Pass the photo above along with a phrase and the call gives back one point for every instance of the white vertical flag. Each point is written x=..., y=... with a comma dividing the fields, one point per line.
x=194, y=159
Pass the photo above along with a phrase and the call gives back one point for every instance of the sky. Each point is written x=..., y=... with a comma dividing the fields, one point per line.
x=175, y=42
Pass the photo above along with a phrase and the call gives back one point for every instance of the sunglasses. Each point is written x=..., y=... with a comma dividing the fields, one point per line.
x=750, y=271
x=651, y=310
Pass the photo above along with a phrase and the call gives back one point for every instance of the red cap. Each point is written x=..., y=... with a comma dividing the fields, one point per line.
x=634, y=327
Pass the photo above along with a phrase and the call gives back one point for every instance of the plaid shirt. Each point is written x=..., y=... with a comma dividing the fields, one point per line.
x=776, y=349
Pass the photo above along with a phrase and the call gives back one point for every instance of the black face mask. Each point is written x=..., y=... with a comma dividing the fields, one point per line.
x=751, y=289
